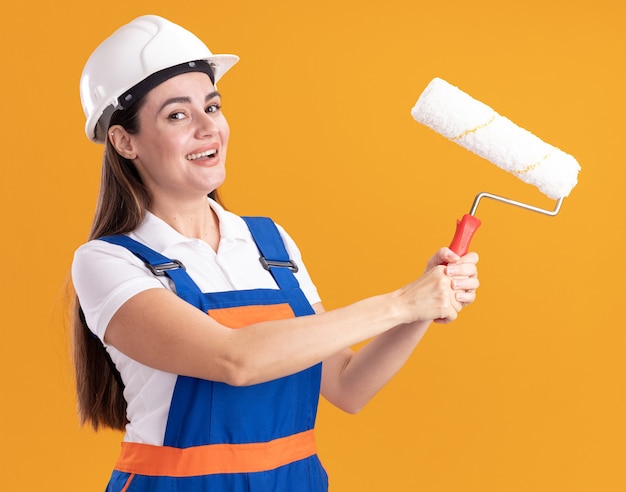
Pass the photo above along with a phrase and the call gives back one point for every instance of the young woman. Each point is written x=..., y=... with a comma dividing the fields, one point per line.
x=198, y=332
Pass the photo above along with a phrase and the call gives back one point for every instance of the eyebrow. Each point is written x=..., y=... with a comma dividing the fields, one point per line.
x=185, y=99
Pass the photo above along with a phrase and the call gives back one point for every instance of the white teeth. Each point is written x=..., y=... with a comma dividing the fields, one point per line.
x=208, y=153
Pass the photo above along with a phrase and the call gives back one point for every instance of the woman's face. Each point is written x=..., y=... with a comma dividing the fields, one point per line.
x=180, y=149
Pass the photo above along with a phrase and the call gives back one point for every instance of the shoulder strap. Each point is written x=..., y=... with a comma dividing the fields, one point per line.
x=274, y=256
x=158, y=264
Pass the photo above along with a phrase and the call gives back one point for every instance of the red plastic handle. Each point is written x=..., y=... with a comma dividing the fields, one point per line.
x=465, y=229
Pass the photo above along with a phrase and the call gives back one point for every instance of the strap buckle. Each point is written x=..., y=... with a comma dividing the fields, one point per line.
x=160, y=270
x=291, y=265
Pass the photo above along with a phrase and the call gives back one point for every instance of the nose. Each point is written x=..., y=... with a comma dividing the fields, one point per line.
x=207, y=125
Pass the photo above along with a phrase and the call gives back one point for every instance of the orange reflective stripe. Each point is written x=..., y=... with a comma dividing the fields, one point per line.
x=237, y=317
x=166, y=461
x=130, y=479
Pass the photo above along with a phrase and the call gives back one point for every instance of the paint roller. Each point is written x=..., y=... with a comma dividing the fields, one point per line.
x=457, y=116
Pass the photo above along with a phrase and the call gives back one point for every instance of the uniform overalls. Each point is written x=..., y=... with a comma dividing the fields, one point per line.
x=225, y=438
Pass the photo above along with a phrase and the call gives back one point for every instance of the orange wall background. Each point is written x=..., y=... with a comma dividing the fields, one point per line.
x=526, y=391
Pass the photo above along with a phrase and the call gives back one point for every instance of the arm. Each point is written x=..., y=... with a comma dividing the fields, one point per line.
x=350, y=379
x=199, y=346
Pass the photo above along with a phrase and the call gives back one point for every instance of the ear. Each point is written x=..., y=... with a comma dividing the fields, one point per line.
x=122, y=141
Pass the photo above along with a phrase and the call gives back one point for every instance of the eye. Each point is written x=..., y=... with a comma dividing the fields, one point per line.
x=177, y=115
x=213, y=108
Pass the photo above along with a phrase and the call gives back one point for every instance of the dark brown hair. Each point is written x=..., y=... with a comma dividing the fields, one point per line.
x=121, y=207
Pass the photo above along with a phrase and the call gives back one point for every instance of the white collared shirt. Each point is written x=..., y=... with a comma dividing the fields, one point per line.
x=105, y=276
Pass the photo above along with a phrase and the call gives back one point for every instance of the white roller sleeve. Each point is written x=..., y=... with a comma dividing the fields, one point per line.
x=475, y=126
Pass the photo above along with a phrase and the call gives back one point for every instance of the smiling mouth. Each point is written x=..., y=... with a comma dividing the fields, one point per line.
x=208, y=153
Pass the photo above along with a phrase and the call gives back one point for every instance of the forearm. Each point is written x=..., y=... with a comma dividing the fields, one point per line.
x=274, y=349
x=351, y=381
x=160, y=330
x=402, y=316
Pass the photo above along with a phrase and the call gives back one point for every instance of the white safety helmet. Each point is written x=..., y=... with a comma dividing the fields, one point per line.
x=140, y=49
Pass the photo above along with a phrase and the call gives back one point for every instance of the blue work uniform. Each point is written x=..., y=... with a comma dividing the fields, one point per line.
x=225, y=438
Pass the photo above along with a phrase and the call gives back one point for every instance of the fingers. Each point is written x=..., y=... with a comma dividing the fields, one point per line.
x=470, y=257
x=461, y=270
x=465, y=284
x=445, y=256
x=465, y=290
x=464, y=279
x=465, y=297
x=442, y=257
x=453, y=298
x=448, y=256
